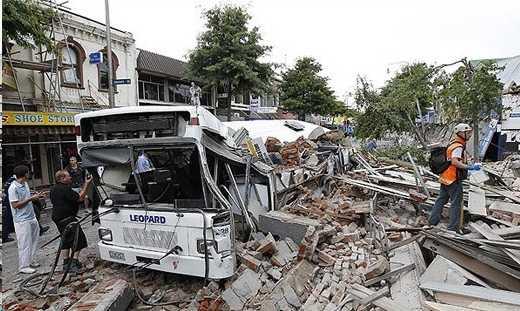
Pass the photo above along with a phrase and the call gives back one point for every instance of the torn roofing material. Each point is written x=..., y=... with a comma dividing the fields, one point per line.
x=274, y=128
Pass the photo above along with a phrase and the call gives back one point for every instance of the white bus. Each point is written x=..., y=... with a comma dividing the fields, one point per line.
x=177, y=216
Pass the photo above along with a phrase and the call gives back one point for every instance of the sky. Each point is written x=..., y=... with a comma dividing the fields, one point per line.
x=349, y=38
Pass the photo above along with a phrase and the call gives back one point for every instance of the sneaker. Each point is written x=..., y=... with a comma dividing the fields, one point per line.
x=27, y=270
x=35, y=264
x=44, y=229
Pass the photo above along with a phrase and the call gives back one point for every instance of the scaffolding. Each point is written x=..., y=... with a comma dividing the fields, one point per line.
x=51, y=66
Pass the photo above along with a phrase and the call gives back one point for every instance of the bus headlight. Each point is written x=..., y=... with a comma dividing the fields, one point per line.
x=210, y=243
x=105, y=234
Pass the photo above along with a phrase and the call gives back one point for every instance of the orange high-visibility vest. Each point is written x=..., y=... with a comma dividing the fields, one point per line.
x=449, y=176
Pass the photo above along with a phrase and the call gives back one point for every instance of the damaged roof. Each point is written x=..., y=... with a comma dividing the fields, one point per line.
x=274, y=128
x=511, y=71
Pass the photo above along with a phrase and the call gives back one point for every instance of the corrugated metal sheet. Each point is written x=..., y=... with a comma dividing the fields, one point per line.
x=511, y=71
x=155, y=63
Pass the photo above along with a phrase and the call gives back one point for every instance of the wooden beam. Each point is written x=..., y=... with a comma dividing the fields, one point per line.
x=380, y=293
x=386, y=303
x=406, y=290
x=478, y=293
x=434, y=306
x=474, y=265
x=438, y=271
x=390, y=274
x=505, y=207
x=490, y=235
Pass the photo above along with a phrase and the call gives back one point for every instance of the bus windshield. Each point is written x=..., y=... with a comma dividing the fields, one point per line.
x=170, y=175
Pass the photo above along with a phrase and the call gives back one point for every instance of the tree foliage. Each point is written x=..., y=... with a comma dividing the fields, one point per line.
x=396, y=106
x=469, y=94
x=26, y=23
x=228, y=52
x=304, y=91
x=472, y=93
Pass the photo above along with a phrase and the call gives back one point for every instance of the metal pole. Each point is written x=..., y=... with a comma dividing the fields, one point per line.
x=109, y=58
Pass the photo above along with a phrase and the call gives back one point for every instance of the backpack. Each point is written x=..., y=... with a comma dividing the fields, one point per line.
x=438, y=161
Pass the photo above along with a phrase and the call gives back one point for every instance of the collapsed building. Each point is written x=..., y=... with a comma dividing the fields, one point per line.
x=324, y=227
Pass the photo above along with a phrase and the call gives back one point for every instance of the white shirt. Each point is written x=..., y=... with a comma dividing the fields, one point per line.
x=456, y=153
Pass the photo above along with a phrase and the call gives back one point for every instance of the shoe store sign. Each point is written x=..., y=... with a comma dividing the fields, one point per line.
x=11, y=118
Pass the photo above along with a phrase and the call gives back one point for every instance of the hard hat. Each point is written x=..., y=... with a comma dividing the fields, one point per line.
x=462, y=127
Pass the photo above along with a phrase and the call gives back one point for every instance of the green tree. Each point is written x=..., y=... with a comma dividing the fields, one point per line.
x=228, y=53
x=26, y=23
x=304, y=91
x=373, y=121
x=471, y=95
x=401, y=100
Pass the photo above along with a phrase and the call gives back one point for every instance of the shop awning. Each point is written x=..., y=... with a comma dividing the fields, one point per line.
x=37, y=130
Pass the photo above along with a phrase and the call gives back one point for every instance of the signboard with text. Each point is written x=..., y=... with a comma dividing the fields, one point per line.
x=120, y=81
x=95, y=58
x=11, y=118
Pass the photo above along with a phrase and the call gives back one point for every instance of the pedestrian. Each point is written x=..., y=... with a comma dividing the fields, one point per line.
x=347, y=128
x=25, y=224
x=7, y=216
x=451, y=179
x=76, y=173
x=65, y=203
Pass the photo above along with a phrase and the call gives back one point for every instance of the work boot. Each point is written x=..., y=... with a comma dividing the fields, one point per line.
x=69, y=266
x=77, y=263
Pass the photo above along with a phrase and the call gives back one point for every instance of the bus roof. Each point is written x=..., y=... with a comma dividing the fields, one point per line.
x=206, y=119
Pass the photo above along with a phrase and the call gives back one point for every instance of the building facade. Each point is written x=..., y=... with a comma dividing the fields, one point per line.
x=42, y=91
x=162, y=81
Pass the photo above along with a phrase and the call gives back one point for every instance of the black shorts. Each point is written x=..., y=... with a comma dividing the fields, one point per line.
x=68, y=238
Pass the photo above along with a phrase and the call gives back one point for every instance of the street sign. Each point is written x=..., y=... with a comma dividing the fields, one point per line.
x=95, y=58
x=222, y=95
x=120, y=81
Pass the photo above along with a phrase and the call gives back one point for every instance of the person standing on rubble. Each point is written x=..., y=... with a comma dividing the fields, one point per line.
x=451, y=179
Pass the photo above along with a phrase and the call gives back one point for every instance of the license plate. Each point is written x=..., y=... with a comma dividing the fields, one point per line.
x=116, y=255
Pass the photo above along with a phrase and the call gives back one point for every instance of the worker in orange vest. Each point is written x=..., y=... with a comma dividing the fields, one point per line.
x=451, y=179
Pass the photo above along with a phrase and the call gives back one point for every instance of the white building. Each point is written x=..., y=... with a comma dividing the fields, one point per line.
x=45, y=90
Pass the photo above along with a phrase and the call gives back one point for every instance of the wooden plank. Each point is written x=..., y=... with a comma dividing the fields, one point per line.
x=386, y=303
x=506, y=233
x=474, y=265
x=390, y=274
x=475, y=292
x=490, y=235
x=406, y=290
x=505, y=207
x=434, y=306
x=474, y=304
x=477, y=201
x=380, y=293
x=404, y=242
x=439, y=271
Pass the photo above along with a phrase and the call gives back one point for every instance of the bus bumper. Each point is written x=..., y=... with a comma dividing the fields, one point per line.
x=188, y=265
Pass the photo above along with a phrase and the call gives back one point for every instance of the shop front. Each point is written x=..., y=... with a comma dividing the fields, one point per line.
x=42, y=140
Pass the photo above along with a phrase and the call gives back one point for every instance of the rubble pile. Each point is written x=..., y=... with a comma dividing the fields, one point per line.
x=350, y=232
x=365, y=232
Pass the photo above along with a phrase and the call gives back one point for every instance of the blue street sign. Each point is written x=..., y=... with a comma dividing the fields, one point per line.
x=95, y=58
x=120, y=81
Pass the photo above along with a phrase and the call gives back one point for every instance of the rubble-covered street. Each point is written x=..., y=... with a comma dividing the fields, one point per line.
x=352, y=234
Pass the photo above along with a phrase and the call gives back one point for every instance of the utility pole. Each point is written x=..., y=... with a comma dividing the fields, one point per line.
x=109, y=58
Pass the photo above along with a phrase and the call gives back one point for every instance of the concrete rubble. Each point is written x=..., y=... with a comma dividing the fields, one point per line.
x=351, y=233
